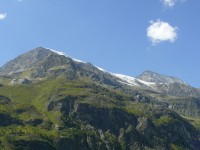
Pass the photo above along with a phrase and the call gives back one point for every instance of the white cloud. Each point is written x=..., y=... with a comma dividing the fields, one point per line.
x=160, y=31
x=171, y=3
x=3, y=16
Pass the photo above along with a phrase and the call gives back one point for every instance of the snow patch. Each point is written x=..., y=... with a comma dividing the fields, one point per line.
x=128, y=80
x=146, y=83
x=63, y=54
x=131, y=80
x=57, y=52
x=101, y=69
x=126, y=83
x=77, y=60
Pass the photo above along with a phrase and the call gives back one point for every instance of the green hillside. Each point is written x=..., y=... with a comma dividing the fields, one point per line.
x=80, y=114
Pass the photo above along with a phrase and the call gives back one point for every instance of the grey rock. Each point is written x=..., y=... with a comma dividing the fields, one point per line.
x=20, y=81
x=151, y=76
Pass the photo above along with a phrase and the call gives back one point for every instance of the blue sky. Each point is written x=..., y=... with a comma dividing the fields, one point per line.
x=127, y=37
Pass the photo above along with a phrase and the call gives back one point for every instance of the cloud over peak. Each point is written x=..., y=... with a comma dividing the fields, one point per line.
x=160, y=31
x=3, y=16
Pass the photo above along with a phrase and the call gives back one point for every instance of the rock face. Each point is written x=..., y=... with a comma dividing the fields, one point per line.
x=186, y=106
x=169, y=85
x=108, y=119
x=42, y=63
x=32, y=144
x=177, y=89
x=7, y=120
x=20, y=81
x=151, y=76
x=136, y=132
x=4, y=100
x=25, y=61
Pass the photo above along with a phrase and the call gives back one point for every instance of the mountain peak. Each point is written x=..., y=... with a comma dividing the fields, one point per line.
x=151, y=76
x=39, y=52
x=24, y=61
x=64, y=54
x=45, y=51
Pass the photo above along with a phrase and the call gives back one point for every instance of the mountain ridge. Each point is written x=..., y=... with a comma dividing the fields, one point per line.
x=151, y=76
x=47, y=51
x=51, y=101
x=58, y=63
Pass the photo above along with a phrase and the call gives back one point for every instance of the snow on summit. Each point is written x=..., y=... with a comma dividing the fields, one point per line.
x=63, y=54
x=132, y=81
x=57, y=52
x=128, y=80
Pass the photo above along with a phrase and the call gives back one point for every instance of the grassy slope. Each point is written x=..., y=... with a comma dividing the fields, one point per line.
x=193, y=121
x=28, y=102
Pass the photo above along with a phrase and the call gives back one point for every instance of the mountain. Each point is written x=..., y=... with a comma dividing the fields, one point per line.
x=132, y=81
x=42, y=63
x=169, y=85
x=49, y=101
x=25, y=61
x=151, y=76
x=160, y=83
x=170, y=91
